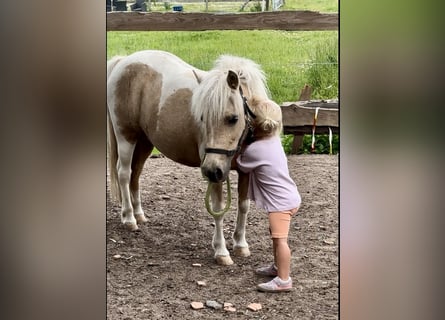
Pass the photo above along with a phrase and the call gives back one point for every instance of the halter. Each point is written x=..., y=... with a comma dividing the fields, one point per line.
x=249, y=115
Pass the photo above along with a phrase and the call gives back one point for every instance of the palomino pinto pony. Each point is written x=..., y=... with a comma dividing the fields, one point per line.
x=194, y=117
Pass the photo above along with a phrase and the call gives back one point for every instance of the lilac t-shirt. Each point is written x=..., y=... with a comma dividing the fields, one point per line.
x=270, y=185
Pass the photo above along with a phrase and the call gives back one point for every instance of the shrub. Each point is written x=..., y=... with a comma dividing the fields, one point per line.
x=321, y=144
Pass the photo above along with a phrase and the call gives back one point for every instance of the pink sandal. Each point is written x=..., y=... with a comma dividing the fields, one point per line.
x=276, y=285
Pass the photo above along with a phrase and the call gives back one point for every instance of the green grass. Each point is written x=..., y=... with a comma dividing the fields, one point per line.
x=226, y=6
x=313, y=5
x=289, y=59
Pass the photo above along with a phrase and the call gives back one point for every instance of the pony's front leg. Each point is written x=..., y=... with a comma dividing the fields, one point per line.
x=240, y=246
x=222, y=255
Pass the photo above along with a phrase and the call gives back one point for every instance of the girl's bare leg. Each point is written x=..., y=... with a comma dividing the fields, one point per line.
x=282, y=257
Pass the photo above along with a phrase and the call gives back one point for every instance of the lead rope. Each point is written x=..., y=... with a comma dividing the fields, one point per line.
x=228, y=203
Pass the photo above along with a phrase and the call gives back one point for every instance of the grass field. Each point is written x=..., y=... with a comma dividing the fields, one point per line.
x=234, y=6
x=289, y=59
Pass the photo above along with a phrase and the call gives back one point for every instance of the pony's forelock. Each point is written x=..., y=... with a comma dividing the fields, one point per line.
x=210, y=97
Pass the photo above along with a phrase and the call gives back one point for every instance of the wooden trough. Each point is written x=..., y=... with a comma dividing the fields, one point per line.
x=298, y=119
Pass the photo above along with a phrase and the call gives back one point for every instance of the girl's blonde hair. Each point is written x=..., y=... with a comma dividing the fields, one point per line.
x=268, y=121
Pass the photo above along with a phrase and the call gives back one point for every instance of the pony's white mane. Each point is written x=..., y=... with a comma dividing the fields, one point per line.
x=251, y=75
x=213, y=93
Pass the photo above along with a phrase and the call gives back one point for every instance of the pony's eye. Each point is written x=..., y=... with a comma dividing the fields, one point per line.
x=233, y=119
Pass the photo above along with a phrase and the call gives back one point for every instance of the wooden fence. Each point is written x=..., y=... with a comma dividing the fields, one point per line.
x=301, y=117
x=298, y=117
x=197, y=21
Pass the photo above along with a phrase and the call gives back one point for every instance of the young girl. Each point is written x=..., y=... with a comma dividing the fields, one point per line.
x=271, y=188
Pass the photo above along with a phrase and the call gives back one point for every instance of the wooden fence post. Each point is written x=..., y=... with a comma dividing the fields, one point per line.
x=305, y=95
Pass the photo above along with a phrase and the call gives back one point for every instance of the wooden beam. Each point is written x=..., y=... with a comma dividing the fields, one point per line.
x=302, y=130
x=197, y=21
x=298, y=117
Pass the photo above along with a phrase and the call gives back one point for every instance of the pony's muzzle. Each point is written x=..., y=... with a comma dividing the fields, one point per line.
x=215, y=167
x=214, y=174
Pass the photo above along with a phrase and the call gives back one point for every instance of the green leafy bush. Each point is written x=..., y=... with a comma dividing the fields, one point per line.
x=321, y=144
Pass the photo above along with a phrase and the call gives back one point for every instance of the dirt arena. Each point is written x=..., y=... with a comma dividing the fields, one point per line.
x=154, y=277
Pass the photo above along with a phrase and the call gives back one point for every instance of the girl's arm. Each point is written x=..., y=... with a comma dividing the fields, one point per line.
x=248, y=159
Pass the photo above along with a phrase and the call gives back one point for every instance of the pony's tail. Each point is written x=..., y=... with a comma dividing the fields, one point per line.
x=112, y=160
x=112, y=63
x=111, y=143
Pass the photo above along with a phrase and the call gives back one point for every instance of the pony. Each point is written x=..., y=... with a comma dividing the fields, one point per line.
x=193, y=117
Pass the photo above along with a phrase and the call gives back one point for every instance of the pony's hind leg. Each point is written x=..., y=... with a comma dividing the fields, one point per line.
x=222, y=255
x=240, y=246
x=141, y=152
x=125, y=152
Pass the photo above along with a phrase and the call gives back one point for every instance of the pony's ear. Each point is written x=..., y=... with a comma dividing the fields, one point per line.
x=232, y=80
x=198, y=78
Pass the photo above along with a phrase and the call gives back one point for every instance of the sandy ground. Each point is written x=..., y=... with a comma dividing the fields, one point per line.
x=155, y=278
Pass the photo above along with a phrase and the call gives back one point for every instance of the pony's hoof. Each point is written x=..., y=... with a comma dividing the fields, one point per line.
x=140, y=218
x=224, y=260
x=131, y=226
x=241, y=251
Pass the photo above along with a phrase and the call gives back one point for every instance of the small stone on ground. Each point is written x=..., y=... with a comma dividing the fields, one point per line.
x=230, y=309
x=197, y=305
x=254, y=306
x=213, y=304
